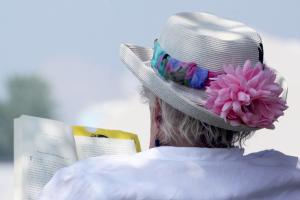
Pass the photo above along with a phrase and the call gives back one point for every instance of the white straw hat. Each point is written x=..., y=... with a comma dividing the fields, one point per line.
x=206, y=41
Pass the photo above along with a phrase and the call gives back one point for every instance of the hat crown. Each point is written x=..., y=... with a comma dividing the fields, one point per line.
x=210, y=41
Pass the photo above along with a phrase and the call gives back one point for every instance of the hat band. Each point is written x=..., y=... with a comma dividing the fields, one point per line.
x=184, y=73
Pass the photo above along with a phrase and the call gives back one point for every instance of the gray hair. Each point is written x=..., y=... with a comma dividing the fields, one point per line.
x=177, y=125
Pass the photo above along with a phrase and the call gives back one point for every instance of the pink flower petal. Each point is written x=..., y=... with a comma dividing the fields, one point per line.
x=242, y=96
x=247, y=95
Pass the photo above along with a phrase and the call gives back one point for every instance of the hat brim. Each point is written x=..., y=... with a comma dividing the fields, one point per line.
x=186, y=100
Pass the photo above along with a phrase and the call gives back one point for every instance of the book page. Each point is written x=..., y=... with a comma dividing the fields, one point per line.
x=96, y=142
x=42, y=147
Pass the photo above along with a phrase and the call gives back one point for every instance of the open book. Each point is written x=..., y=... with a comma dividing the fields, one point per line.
x=43, y=146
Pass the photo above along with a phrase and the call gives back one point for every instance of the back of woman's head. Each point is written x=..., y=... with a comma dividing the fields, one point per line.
x=177, y=126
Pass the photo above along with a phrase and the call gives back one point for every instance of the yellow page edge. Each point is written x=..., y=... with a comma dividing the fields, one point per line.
x=117, y=134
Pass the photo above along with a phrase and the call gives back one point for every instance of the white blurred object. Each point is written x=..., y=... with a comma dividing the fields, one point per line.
x=128, y=115
x=6, y=180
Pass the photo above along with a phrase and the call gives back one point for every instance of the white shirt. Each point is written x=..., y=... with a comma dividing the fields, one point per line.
x=179, y=173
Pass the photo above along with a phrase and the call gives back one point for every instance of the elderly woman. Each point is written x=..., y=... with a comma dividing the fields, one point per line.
x=205, y=99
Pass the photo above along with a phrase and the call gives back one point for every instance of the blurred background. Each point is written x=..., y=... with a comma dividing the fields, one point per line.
x=59, y=59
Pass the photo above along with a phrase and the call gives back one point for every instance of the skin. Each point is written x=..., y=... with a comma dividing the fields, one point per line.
x=155, y=121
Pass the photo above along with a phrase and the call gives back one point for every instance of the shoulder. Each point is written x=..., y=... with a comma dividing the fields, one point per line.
x=274, y=163
x=273, y=157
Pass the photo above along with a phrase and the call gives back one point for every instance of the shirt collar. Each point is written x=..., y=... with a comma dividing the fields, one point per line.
x=192, y=153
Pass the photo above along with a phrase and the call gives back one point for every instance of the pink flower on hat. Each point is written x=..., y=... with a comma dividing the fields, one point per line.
x=246, y=95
